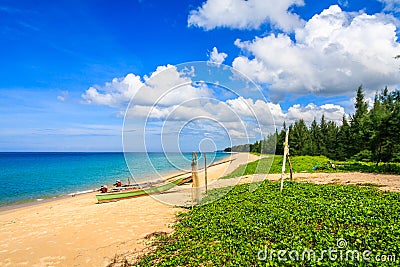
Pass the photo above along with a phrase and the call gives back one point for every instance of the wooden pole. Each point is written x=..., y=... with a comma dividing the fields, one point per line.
x=205, y=170
x=192, y=178
x=291, y=169
x=195, y=177
x=285, y=153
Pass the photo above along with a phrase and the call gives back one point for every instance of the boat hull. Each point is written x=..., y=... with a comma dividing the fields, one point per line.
x=108, y=197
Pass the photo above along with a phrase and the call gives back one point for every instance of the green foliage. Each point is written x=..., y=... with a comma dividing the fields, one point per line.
x=233, y=230
x=264, y=165
x=299, y=138
x=343, y=140
x=365, y=155
x=273, y=164
x=370, y=167
x=315, y=139
x=240, y=148
x=371, y=135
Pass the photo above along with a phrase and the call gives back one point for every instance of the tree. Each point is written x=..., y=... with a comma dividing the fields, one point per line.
x=382, y=126
x=343, y=140
x=280, y=139
x=331, y=140
x=269, y=144
x=357, y=122
x=370, y=135
x=315, y=139
x=323, y=150
x=298, y=138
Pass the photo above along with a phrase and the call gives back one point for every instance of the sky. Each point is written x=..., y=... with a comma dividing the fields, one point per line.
x=69, y=69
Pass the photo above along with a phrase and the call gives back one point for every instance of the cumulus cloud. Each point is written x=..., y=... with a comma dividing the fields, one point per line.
x=216, y=57
x=332, y=112
x=307, y=112
x=334, y=53
x=115, y=93
x=234, y=112
x=249, y=14
x=165, y=86
x=170, y=100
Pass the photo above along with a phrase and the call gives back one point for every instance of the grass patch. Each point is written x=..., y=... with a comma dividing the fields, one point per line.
x=360, y=166
x=234, y=229
x=273, y=164
x=370, y=184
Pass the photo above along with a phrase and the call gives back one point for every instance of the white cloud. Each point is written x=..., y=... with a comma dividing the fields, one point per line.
x=217, y=58
x=249, y=14
x=63, y=97
x=168, y=100
x=165, y=86
x=334, y=53
x=308, y=112
x=391, y=5
x=115, y=93
x=234, y=113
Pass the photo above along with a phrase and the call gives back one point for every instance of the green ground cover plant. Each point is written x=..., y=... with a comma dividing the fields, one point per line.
x=242, y=227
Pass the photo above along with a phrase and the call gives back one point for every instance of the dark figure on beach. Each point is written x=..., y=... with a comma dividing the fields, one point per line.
x=103, y=189
x=118, y=183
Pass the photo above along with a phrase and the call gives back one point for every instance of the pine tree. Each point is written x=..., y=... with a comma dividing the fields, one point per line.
x=383, y=126
x=323, y=150
x=331, y=140
x=370, y=134
x=269, y=144
x=280, y=139
x=315, y=139
x=298, y=138
x=357, y=122
x=343, y=140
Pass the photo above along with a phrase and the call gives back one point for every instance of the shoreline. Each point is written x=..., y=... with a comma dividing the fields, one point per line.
x=75, y=231
x=46, y=199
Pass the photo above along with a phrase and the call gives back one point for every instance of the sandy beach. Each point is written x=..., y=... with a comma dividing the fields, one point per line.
x=385, y=182
x=75, y=231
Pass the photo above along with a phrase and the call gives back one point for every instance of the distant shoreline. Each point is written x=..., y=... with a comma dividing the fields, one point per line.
x=69, y=231
x=167, y=174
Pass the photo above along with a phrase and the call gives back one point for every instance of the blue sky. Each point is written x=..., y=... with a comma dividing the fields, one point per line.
x=53, y=52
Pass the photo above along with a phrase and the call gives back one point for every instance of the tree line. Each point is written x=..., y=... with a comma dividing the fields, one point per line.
x=367, y=135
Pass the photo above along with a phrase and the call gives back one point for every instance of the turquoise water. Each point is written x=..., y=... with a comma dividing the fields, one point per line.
x=33, y=176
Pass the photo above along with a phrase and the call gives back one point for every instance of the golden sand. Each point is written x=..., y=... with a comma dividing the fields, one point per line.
x=75, y=231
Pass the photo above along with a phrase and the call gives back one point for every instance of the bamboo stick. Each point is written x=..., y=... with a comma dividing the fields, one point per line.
x=285, y=153
x=291, y=169
x=195, y=178
x=205, y=170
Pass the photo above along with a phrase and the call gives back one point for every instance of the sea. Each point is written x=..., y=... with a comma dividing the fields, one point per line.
x=37, y=176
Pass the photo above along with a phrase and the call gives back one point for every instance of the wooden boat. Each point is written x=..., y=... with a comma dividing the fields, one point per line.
x=108, y=197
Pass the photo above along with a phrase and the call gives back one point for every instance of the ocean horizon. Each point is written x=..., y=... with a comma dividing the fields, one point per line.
x=35, y=176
